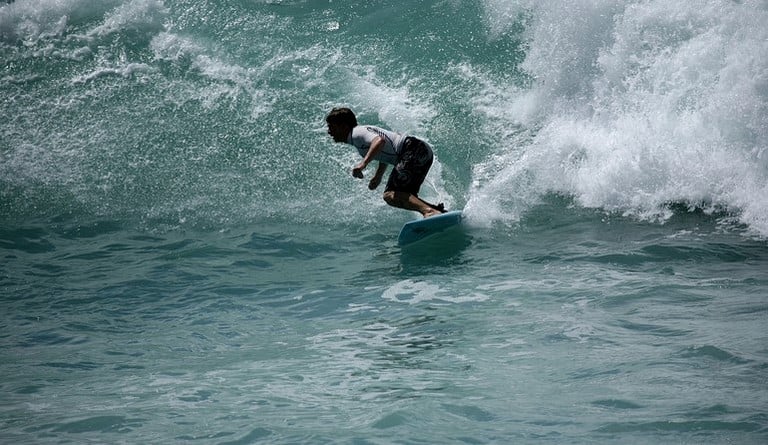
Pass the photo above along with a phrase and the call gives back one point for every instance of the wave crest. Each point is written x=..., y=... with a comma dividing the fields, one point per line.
x=633, y=106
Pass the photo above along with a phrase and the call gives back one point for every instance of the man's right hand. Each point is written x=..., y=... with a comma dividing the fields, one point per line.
x=357, y=171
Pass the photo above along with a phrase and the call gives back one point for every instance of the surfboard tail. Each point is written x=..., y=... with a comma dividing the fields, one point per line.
x=419, y=229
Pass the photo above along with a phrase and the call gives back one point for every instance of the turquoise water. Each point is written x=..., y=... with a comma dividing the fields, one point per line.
x=187, y=259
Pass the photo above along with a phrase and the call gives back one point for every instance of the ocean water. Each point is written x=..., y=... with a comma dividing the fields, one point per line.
x=185, y=257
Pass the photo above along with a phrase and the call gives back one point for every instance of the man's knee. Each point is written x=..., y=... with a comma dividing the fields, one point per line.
x=390, y=198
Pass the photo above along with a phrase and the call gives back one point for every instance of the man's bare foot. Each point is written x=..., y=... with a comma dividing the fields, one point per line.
x=432, y=213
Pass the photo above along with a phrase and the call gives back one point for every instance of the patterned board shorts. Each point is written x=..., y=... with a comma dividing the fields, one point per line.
x=412, y=167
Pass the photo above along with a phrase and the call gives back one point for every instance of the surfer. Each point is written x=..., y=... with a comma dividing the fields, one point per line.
x=410, y=157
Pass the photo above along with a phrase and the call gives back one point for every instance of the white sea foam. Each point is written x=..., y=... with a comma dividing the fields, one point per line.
x=414, y=292
x=171, y=47
x=632, y=106
x=134, y=14
x=395, y=106
x=226, y=80
x=123, y=70
x=32, y=20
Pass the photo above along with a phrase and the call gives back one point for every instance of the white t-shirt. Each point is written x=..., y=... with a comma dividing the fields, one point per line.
x=362, y=137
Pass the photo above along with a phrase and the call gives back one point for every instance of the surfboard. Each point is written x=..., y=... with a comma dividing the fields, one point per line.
x=421, y=228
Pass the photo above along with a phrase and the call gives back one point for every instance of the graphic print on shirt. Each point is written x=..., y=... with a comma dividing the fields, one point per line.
x=381, y=133
x=363, y=136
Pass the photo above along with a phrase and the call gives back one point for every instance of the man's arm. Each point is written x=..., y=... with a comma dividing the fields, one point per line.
x=376, y=180
x=375, y=148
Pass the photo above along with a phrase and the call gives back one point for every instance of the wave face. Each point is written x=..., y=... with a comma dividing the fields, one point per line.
x=179, y=112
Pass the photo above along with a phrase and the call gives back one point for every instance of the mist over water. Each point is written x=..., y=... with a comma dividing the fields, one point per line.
x=185, y=256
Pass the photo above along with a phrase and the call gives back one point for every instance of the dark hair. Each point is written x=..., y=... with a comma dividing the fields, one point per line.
x=343, y=116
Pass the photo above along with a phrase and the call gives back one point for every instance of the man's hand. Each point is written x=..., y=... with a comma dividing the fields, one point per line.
x=375, y=148
x=375, y=181
x=357, y=171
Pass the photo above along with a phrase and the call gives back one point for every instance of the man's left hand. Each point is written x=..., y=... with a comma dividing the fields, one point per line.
x=375, y=181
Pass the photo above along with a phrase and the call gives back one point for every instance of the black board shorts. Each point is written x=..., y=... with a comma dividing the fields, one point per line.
x=412, y=167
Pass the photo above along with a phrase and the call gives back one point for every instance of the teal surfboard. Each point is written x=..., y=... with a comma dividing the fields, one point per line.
x=421, y=228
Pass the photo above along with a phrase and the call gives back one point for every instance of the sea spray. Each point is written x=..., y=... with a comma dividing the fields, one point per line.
x=633, y=106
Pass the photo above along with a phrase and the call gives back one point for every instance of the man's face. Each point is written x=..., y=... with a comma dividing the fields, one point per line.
x=338, y=132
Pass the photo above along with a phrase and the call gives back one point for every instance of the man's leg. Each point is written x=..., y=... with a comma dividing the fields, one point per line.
x=406, y=179
x=409, y=201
